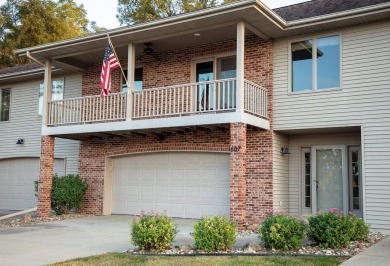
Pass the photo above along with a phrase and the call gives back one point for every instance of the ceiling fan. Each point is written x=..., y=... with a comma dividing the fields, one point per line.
x=149, y=52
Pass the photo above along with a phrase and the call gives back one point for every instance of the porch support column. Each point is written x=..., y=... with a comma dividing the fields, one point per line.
x=240, y=65
x=130, y=79
x=45, y=176
x=238, y=174
x=46, y=92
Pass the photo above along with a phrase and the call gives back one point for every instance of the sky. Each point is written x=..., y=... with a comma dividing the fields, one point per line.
x=103, y=12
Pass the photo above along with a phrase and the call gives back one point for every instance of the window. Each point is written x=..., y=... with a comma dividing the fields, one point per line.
x=315, y=71
x=57, y=93
x=5, y=101
x=138, y=75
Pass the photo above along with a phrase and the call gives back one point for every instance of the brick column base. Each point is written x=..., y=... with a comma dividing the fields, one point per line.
x=238, y=174
x=45, y=176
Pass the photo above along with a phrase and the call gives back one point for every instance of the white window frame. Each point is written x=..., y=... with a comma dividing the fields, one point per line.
x=314, y=66
x=39, y=88
x=10, y=101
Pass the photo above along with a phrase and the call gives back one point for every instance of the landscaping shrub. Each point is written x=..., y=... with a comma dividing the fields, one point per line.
x=280, y=231
x=361, y=229
x=214, y=233
x=67, y=193
x=153, y=232
x=334, y=229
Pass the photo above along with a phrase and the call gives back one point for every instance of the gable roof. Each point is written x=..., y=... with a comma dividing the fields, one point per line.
x=316, y=8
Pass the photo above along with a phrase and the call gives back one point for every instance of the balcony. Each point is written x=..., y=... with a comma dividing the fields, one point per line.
x=201, y=103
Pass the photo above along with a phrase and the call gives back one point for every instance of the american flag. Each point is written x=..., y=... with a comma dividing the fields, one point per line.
x=109, y=63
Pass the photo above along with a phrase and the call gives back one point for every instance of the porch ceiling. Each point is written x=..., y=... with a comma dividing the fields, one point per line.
x=330, y=130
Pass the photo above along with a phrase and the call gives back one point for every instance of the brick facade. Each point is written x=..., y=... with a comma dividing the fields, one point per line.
x=45, y=176
x=238, y=173
x=251, y=167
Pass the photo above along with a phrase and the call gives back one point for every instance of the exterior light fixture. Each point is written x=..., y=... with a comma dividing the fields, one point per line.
x=284, y=150
x=20, y=141
x=197, y=34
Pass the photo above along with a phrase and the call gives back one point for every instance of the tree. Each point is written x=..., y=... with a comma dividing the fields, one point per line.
x=137, y=11
x=26, y=23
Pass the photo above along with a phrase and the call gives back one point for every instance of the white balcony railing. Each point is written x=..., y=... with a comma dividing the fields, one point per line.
x=255, y=99
x=188, y=99
x=88, y=109
x=201, y=97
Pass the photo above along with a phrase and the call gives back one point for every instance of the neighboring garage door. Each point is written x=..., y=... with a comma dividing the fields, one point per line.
x=17, y=178
x=184, y=184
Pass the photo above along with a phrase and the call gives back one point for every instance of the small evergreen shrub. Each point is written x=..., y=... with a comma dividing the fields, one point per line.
x=334, y=229
x=67, y=193
x=280, y=231
x=214, y=233
x=153, y=231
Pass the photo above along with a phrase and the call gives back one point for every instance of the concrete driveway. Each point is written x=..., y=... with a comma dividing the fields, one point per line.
x=62, y=240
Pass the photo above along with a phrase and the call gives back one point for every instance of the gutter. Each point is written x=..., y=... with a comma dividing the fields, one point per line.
x=34, y=59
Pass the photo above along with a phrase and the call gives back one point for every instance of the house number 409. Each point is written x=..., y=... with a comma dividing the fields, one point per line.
x=235, y=148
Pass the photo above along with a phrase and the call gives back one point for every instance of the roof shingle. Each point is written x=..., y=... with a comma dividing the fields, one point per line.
x=322, y=7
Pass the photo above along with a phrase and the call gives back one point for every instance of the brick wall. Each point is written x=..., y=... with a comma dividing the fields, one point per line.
x=46, y=165
x=174, y=67
x=94, y=151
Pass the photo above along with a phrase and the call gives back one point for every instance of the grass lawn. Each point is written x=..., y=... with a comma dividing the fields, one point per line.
x=126, y=259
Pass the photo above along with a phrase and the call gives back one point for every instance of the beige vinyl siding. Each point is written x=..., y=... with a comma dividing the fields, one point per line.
x=280, y=173
x=296, y=143
x=363, y=101
x=25, y=123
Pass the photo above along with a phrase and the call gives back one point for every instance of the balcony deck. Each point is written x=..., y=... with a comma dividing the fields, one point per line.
x=202, y=103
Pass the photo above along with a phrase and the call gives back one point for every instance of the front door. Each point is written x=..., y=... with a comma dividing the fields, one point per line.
x=329, y=178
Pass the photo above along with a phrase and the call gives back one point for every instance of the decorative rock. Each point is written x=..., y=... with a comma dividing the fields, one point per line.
x=27, y=218
x=252, y=247
x=186, y=248
x=252, y=227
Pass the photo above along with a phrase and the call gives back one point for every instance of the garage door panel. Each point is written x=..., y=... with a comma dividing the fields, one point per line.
x=162, y=192
x=146, y=192
x=191, y=193
x=184, y=184
x=176, y=192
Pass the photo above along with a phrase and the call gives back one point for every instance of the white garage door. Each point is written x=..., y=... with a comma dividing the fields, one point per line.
x=184, y=184
x=17, y=178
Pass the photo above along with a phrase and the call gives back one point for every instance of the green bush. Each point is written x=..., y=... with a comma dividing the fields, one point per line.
x=153, y=232
x=214, y=233
x=361, y=229
x=283, y=232
x=335, y=229
x=67, y=193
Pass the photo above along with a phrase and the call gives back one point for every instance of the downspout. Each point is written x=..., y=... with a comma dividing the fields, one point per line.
x=34, y=59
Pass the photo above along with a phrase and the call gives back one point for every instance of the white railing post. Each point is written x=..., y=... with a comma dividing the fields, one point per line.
x=240, y=65
x=130, y=79
x=46, y=92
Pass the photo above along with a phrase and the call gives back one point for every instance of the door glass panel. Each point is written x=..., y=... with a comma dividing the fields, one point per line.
x=205, y=90
x=355, y=180
x=307, y=180
x=227, y=89
x=329, y=172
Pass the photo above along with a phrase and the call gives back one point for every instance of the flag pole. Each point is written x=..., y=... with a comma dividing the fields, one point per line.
x=123, y=73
